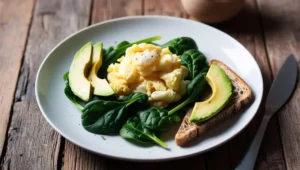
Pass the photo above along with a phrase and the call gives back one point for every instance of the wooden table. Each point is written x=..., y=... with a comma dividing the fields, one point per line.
x=29, y=29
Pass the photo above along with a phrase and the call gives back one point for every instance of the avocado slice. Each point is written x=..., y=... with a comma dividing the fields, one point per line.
x=78, y=82
x=221, y=92
x=101, y=86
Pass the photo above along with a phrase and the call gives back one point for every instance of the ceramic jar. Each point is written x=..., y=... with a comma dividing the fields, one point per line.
x=212, y=11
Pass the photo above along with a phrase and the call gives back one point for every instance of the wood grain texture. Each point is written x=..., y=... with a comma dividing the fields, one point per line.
x=165, y=7
x=246, y=28
x=75, y=158
x=14, y=24
x=32, y=143
x=104, y=9
x=282, y=33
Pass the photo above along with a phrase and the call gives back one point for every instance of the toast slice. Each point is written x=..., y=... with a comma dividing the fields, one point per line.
x=241, y=97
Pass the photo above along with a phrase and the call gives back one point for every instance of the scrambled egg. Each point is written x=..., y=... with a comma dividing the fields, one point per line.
x=152, y=70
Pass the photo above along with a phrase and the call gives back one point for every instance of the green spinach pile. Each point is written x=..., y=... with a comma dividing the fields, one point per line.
x=131, y=116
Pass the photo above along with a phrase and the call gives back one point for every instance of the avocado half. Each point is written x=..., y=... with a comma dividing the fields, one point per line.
x=101, y=86
x=221, y=92
x=78, y=82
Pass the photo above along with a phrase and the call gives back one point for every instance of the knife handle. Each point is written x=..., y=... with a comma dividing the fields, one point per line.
x=248, y=161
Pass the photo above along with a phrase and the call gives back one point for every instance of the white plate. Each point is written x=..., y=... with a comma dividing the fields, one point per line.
x=65, y=117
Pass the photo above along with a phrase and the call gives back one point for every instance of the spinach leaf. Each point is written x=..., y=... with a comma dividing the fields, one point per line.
x=195, y=61
x=66, y=76
x=157, y=118
x=133, y=130
x=105, y=117
x=194, y=90
x=69, y=93
x=116, y=53
x=180, y=45
x=123, y=43
x=109, y=49
x=106, y=51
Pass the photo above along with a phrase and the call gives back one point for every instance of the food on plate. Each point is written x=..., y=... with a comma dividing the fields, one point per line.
x=241, y=97
x=113, y=54
x=140, y=89
x=221, y=92
x=107, y=116
x=78, y=82
x=180, y=45
x=101, y=86
x=133, y=130
x=152, y=70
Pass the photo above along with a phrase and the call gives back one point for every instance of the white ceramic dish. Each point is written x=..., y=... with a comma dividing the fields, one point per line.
x=65, y=117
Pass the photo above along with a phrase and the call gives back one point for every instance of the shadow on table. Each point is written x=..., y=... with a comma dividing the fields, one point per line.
x=250, y=21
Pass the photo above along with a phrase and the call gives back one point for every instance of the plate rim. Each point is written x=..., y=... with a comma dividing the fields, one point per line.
x=258, y=97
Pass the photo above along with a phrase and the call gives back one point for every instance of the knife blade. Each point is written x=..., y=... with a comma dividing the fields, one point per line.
x=283, y=86
x=281, y=89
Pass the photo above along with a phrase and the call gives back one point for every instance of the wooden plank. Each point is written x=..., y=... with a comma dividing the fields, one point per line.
x=14, y=25
x=281, y=29
x=246, y=28
x=76, y=158
x=32, y=143
x=166, y=7
x=28, y=146
x=108, y=9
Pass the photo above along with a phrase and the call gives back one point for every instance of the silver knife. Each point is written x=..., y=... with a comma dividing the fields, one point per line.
x=281, y=89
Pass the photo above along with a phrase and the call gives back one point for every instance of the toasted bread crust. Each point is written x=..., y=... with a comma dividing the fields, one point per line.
x=189, y=131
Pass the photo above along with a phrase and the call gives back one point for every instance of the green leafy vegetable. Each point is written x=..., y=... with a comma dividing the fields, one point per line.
x=69, y=93
x=106, y=51
x=133, y=130
x=66, y=76
x=109, y=49
x=104, y=117
x=194, y=89
x=195, y=61
x=123, y=43
x=113, y=55
x=156, y=118
x=180, y=45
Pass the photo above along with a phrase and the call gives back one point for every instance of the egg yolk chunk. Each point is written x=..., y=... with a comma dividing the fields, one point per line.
x=152, y=70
